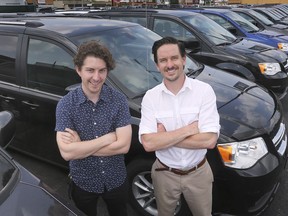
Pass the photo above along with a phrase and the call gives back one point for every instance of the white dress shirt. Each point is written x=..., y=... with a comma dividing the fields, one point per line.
x=196, y=101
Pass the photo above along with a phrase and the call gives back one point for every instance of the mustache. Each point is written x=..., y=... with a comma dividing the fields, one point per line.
x=171, y=68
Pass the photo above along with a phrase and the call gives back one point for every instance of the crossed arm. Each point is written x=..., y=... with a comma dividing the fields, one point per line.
x=185, y=137
x=71, y=147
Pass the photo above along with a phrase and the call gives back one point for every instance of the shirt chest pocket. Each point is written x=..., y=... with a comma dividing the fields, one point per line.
x=172, y=120
x=189, y=115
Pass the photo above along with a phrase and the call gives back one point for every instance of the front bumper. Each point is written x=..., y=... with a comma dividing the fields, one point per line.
x=250, y=191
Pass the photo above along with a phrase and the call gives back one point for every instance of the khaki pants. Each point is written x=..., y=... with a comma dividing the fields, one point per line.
x=196, y=188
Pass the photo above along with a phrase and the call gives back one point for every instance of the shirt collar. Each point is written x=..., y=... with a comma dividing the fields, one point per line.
x=82, y=97
x=186, y=85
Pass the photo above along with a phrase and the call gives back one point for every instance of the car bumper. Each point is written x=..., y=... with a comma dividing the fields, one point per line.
x=251, y=191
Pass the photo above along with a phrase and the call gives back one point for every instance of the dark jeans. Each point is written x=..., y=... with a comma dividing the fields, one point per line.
x=115, y=200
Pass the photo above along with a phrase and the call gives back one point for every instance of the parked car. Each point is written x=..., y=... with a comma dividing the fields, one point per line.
x=37, y=70
x=22, y=193
x=261, y=21
x=268, y=12
x=241, y=27
x=213, y=45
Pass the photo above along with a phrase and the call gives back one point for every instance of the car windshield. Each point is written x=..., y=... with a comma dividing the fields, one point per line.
x=267, y=12
x=131, y=47
x=245, y=24
x=212, y=31
x=265, y=20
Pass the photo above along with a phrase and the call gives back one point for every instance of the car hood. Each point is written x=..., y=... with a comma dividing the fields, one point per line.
x=273, y=35
x=246, y=110
x=255, y=51
x=31, y=197
x=279, y=26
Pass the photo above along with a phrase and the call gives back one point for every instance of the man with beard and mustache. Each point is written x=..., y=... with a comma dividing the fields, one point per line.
x=93, y=134
x=179, y=121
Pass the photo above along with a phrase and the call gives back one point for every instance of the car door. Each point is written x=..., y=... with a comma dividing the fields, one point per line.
x=49, y=69
x=10, y=96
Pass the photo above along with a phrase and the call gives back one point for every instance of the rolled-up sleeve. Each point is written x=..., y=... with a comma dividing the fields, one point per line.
x=209, y=116
x=148, y=123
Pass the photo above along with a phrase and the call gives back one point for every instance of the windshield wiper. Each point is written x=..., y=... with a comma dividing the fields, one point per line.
x=237, y=40
x=194, y=73
x=224, y=44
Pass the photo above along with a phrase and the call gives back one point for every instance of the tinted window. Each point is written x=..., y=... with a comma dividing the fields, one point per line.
x=211, y=30
x=135, y=70
x=8, y=46
x=49, y=68
x=170, y=28
x=220, y=20
x=139, y=20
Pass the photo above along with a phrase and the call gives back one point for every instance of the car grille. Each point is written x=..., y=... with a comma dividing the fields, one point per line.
x=280, y=139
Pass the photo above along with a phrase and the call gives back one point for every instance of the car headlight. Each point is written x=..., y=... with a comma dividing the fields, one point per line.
x=269, y=68
x=283, y=46
x=242, y=155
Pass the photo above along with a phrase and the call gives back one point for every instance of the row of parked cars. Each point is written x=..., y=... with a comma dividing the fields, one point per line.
x=248, y=77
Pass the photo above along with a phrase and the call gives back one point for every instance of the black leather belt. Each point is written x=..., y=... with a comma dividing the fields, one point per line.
x=178, y=171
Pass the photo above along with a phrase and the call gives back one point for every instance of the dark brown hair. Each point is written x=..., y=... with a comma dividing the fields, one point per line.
x=167, y=40
x=94, y=48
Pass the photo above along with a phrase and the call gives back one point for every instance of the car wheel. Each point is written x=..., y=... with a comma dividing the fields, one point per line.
x=141, y=192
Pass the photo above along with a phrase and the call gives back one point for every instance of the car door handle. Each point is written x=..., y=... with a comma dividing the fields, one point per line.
x=7, y=98
x=32, y=105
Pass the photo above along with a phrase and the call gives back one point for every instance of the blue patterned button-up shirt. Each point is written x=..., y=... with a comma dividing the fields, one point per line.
x=91, y=120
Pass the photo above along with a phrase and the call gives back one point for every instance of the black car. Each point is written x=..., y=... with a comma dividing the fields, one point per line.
x=22, y=193
x=37, y=70
x=213, y=45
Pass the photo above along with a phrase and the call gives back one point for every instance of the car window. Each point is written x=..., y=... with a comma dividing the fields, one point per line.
x=211, y=30
x=170, y=28
x=139, y=20
x=135, y=70
x=220, y=20
x=245, y=16
x=49, y=68
x=7, y=58
x=245, y=24
x=261, y=17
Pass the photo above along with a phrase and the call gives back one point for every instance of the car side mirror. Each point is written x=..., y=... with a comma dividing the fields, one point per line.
x=193, y=45
x=72, y=87
x=232, y=31
x=7, y=128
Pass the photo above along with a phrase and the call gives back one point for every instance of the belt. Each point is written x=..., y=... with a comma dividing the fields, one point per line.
x=178, y=171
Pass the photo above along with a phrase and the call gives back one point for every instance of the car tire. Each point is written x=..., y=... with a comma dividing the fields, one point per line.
x=141, y=192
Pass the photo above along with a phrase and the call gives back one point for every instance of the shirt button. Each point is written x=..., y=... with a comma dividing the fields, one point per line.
x=96, y=137
x=101, y=161
x=95, y=123
x=103, y=172
x=93, y=110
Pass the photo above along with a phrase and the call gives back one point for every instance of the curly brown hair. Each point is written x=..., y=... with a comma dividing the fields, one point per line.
x=94, y=48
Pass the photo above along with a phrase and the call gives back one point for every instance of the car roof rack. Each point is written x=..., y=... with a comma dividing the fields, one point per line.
x=33, y=24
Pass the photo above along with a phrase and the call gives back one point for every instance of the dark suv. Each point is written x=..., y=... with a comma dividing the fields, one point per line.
x=36, y=70
x=213, y=45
